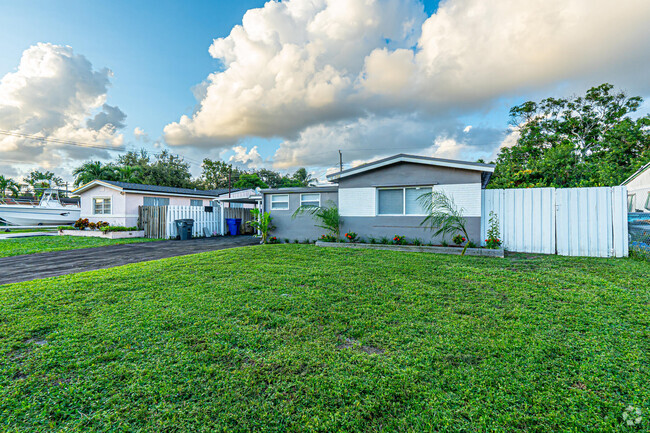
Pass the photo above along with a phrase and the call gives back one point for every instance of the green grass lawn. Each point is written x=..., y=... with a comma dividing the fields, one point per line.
x=300, y=338
x=43, y=244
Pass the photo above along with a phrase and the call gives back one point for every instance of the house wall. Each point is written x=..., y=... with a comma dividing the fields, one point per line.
x=358, y=200
x=637, y=191
x=124, y=209
x=302, y=227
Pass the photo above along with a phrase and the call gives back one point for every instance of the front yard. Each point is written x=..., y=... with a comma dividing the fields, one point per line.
x=299, y=338
x=43, y=244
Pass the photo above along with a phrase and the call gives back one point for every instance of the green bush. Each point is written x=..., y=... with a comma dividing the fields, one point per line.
x=118, y=229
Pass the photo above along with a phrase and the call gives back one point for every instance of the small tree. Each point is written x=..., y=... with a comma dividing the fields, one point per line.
x=327, y=215
x=262, y=223
x=443, y=216
x=493, y=241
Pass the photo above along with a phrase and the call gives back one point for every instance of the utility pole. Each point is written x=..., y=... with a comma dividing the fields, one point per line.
x=340, y=160
x=229, y=180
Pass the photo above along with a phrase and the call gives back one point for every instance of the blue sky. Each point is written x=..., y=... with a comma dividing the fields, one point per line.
x=479, y=61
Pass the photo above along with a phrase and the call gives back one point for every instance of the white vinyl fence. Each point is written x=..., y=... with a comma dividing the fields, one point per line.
x=567, y=221
x=213, y=221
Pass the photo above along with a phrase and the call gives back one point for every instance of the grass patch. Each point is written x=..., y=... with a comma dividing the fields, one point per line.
x=298, y=338
x=43, y=244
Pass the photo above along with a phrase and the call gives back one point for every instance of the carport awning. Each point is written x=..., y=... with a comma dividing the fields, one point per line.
x=253, y=199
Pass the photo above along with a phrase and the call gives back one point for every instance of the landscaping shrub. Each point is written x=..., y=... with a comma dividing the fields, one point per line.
x=352, y=237
x=107, y=229
x=384, y=240
x=81, y=223
x=399, y=240
x=493, y=240
x=272, y=240
x=458, y=239
x=327, y=238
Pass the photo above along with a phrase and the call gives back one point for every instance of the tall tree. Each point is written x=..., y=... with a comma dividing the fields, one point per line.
x=303, y=178
x=216, y=174
x=40, y=180
x=272, y=178
x=168, y=170
x=250, y=181
x=582, y=141
x=92, y=170
x=8, y=185
x=129, y=173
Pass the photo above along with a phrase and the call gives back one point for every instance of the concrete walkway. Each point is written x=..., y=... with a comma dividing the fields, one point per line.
x=51, y=264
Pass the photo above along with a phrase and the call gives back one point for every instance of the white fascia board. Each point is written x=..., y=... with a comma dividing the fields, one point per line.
x=205, y=197
x=92, y=184
x=416, y=161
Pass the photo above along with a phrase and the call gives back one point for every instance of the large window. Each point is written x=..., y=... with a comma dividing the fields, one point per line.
x=196, y=202
x=101, y=206
x=401, y=201
x=280, y=202
x=155, y=201
x=309, y=199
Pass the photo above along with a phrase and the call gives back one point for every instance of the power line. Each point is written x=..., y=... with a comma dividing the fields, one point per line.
x=60, y=141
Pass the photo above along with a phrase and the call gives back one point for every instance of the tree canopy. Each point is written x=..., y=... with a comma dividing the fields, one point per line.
x=582, y=141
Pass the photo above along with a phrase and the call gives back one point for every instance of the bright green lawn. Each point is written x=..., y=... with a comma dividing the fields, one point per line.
x=42, y=244
x=300, y=338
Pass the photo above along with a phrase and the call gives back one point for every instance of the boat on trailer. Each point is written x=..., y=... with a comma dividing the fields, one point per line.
x=49, y=211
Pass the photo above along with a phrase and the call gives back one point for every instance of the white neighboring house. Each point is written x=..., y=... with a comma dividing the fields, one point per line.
x=117, y=202
x=638, y=190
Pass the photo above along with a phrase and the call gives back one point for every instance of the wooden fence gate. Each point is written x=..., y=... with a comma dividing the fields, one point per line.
x=153, y=220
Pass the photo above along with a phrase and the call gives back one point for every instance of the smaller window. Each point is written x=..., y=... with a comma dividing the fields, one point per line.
x=196, y=202
x=310, y=200
x=631, y=202
x=647, y=202
x=280, y=202
x=102, y=206
x=155, y=201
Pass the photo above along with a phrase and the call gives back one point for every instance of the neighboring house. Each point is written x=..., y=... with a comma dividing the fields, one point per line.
x=380, y=198
x=238, y=198
x=638, y=190
x=117, y=202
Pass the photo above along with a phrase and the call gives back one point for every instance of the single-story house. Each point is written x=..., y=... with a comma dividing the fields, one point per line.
x=117, y=202
x=380, y=198
x=638, y=190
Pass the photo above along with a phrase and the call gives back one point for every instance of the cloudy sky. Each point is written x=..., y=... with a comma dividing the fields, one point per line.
x=288, y=84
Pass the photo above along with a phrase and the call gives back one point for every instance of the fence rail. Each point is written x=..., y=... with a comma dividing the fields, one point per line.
x=567, y=221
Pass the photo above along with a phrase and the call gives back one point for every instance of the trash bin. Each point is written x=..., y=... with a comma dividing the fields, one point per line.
x=184, y=228
x=233, y=225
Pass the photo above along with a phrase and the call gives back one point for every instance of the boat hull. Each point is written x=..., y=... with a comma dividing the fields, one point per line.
x=19, y=215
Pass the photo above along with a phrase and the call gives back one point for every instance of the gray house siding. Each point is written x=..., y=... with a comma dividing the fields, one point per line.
x=405, y=174
x=302, y=227
x=358, y=201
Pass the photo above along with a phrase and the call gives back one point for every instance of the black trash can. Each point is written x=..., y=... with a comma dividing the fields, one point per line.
x=184, y=228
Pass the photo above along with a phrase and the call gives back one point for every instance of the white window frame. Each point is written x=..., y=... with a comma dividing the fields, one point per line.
x=310, y=193
x=403, y=188
x=631, y=202
x=647, y=202
x=271, y=202
x=110, y=203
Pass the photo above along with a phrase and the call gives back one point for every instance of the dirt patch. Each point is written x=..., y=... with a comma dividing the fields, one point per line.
x=351, y=343
x=579, y=385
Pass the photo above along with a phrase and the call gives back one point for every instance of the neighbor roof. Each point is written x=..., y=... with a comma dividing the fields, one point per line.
x=636, y=174
x=417, y=159
x=303, y=189
x=152, y=189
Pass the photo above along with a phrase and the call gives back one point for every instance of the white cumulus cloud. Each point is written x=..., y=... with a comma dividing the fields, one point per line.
x=58, y=95
x=300, y=69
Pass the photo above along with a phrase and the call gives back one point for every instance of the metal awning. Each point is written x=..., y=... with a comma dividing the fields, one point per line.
x=253, y=199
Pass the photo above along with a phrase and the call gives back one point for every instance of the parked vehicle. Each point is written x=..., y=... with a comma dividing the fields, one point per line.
x=49, y=211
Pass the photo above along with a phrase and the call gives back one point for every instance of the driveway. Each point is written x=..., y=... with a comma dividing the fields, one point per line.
x=34, y=266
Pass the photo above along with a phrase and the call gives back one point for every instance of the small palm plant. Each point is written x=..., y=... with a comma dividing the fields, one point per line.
x=442, y=215
x=327, y=215
x=262, y=223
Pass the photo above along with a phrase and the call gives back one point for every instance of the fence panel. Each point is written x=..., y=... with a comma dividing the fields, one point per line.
x=202, y=219
x=570, y=221
x=526, y=218
x=153, y=220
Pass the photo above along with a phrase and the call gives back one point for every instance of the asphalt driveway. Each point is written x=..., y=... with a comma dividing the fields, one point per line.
x=34, y=266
